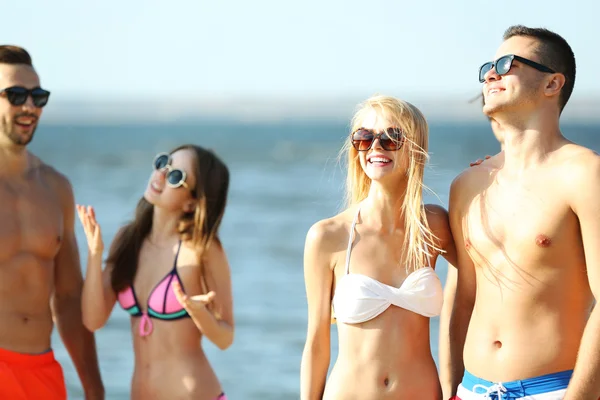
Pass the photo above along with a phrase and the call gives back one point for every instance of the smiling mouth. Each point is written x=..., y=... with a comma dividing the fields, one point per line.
x=25, y=121
x=155, y=187
x=379, y=160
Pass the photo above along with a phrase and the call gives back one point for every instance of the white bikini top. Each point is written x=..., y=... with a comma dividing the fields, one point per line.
x=360, y=298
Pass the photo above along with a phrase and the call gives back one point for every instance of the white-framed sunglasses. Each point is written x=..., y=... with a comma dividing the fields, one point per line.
x=175, y=176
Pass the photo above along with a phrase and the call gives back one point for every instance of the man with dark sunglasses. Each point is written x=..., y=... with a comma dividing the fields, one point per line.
x=526, y=223
x=40, y=274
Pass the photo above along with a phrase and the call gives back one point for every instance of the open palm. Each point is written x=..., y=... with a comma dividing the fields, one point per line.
x=192, y=303
x=87, y=216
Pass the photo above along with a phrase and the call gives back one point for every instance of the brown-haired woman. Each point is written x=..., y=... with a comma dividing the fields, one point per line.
x=171, y=245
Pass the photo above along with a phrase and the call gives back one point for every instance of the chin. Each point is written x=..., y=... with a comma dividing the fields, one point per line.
x=375, y=177
x=23, y=140
x=490, y=109
x=149, y=196
x=378, y=176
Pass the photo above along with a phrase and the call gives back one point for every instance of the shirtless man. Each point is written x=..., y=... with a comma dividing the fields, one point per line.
x=527, y=225
x=450, y=292
x=40, y=275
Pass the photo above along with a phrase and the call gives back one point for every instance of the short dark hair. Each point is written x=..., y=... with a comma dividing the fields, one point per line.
x=554, y=52
x=10, y=54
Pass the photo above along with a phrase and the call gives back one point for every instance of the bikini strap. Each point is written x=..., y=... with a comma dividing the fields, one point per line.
x=177, y=255
x=351, y=240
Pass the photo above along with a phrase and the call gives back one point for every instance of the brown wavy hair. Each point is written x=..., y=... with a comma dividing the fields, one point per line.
x=200, y=226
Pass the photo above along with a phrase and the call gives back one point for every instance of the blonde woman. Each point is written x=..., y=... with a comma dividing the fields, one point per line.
x=370, y=268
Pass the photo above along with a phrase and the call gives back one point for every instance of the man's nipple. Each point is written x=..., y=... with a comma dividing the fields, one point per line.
x=543, y=240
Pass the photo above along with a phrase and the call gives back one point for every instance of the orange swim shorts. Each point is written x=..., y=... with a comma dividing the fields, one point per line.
x=28, y=377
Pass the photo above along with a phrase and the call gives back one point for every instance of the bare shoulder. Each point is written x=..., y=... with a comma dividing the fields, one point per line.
x=580, y=169
x=574, y=158
x=473, y=180
x=56, y=180
x=328, y=233
x=327, y=239
x=473, y=174
x=56, y=184
x=215, y=254
x=460, y=185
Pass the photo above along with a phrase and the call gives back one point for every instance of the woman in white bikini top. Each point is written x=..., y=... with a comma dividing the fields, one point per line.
x=359, y=298
x=371, y=267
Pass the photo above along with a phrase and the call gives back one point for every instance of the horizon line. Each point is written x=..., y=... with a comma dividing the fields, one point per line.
x=334, y=108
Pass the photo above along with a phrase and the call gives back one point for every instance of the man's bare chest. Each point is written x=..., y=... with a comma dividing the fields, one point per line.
x=532, y=221
x=31, y=220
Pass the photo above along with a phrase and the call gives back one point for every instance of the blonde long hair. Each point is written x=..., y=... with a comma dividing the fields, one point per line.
x=419, y=240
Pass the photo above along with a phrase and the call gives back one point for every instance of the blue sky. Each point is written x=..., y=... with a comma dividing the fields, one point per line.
x=147, y=49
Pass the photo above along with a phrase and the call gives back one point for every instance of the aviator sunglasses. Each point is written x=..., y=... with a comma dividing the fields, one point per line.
x=390, y=139
x=17, y=95
x=175, y=176
x=504, y=64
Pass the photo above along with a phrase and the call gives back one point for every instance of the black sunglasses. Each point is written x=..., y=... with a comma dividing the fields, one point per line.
x=504, y=64
x=17, y=95
x=175, y=176
x=390, y=139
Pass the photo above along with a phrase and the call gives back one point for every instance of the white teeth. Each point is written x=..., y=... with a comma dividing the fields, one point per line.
x=155, y=186
x=379, y=160
x=494, y=91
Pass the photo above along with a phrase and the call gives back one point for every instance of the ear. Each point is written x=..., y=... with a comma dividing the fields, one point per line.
x=554, y=85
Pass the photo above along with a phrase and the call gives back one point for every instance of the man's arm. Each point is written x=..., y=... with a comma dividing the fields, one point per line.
x=585, y=383
x=444, y=332
x=440, y=226
x=464, y=298
x=66, y=301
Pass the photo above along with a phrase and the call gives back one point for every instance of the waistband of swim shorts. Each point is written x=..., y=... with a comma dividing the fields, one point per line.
x=525, y=387
x=26, y=360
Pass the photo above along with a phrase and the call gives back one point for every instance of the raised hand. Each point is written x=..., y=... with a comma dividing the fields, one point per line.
x=87, y=216
x=192, y=304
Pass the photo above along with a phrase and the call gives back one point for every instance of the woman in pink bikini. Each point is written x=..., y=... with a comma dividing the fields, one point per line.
x=168, y=270
x=371, y=267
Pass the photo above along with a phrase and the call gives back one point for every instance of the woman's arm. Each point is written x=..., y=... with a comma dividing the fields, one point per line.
x=217, y=326
x=318, y=279
x=98, y=298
